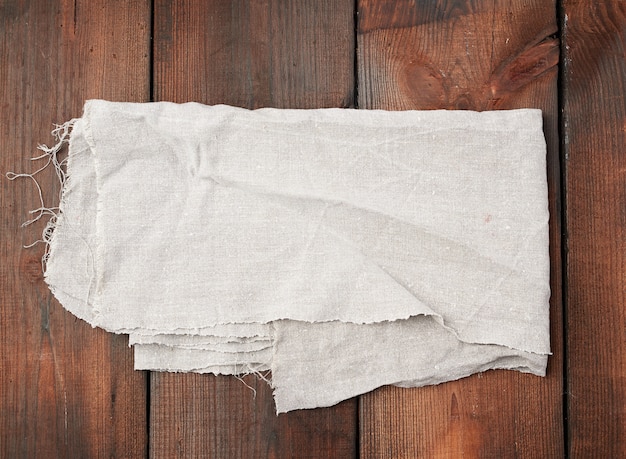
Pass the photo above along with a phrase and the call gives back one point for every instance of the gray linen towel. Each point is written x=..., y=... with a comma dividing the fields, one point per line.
x=342, y=249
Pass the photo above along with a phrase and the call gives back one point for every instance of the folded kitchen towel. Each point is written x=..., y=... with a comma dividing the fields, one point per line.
x=341, y=249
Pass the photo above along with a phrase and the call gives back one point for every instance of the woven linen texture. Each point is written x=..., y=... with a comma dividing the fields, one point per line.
x=340, y=249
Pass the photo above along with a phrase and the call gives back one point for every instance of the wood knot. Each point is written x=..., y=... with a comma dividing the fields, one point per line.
x=422, y=84
x=528, y=65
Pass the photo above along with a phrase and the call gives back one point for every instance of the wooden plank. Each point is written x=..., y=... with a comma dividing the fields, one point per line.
x=66, y=390
x=255, y=53
x=467, y=55
x=249, y=54
x=594, y=88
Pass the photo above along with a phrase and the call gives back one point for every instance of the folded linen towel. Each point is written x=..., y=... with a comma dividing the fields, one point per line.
x=342, y=249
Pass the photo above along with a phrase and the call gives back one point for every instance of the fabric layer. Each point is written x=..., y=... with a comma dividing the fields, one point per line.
x=354, y=359
x=227, y=240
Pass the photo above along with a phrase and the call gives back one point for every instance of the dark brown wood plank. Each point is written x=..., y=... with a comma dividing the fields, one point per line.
x=249, y=54
x=66, y=390
x=467, y=55
x=594, y=88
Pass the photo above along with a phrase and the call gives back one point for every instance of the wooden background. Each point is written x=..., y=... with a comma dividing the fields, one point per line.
x=67, y=390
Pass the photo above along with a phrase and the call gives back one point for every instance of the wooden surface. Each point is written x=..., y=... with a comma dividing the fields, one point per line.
x=67, y=390
x=594, y=147
x=471, y=56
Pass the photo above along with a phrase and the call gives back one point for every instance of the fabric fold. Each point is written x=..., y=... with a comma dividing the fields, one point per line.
x=353, y=359
x=403, y=248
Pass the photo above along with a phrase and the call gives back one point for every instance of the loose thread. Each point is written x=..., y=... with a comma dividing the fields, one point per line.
x=61, y=133
x=247, y=385
x=259, y=374
x=262, y=375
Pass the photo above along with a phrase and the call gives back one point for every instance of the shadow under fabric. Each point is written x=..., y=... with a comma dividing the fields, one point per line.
x=340, y=249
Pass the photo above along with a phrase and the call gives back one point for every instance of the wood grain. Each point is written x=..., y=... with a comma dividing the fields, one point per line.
x=255, y=53
x=594, y=129
x=66, y=390
x=467, y=55
x=250, y=54
x=206, y=416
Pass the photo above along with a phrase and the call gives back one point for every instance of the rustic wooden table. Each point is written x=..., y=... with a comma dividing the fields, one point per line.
x=67, y=390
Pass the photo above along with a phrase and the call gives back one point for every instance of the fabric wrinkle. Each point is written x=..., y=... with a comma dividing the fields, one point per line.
x=339, y=249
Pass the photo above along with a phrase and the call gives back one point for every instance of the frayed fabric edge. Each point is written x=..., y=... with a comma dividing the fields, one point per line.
x=61, y=133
